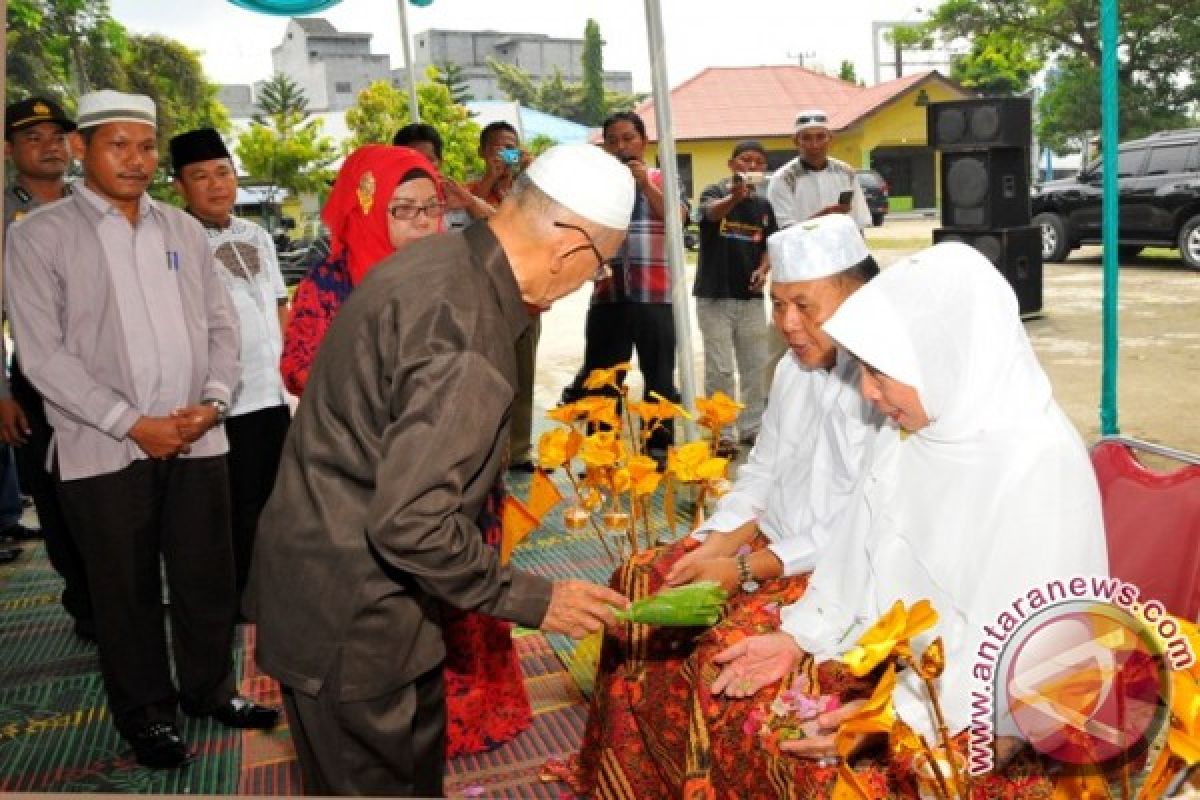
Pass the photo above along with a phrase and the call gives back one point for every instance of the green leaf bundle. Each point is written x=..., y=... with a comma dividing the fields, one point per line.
x=696, y=604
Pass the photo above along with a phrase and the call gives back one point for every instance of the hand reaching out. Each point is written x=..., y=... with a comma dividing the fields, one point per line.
x=754, y=663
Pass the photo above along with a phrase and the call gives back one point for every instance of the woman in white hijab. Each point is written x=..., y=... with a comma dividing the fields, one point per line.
x=978, y=491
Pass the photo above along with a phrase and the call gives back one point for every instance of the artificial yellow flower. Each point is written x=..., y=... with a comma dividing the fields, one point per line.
x=566, y=413
x=556, y=447
x=621, y=480
x=607, y=378
x=599, y=409
x=877, y=715
x=933, y=660
x=717, y=411
x=683, y=461
x=890, y=634
x=601, y=449
x=644, y=475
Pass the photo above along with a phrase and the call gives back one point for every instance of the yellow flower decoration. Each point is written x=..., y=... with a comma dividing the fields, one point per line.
x=890, y=635
x=598, y=409
x=1183, y=736
x=566, y=413
x=693, y=462
x=621, y=480
x=644, y=475
x=718, y=411
x=607, y=378
x=877, y=715
x=557, y=447
x=601, y=449
x=933, y=661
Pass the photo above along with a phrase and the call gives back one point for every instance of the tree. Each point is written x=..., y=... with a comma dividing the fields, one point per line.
x=847, y=72
x=279, y=97
x=172, y=76
x=595, y=106
x=55, y=46
x=996, y=65
x=451, y=76
x=381, y=109
x=554, y=95
x=282, y=147
x=1159, y=49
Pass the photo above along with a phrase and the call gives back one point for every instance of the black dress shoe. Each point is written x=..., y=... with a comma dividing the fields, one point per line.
x=20, y=532
x=159, y=746
x=238, y=712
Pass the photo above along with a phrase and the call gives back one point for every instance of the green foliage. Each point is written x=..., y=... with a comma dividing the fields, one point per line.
x=171, y=74
x=451, y=76
x=1159, y=49
x=996, y=65
x=284, y=148
x=594, y=103
x=847, y=72
x=381, y=110
x=587, y=103
x=540, y=144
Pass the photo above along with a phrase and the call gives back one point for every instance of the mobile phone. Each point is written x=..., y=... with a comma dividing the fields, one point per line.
x=845, y=197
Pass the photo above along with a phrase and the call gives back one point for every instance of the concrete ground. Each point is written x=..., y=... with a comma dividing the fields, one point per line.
x=1159, y=361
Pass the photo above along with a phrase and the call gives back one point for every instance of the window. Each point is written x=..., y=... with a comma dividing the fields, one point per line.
x=1129, y=162
x=1168, y=160
x=343, y=87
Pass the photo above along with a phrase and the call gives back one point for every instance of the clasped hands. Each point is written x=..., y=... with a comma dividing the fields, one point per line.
x=167, y=437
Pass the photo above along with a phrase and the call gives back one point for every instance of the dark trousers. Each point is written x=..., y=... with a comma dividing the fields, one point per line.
x=255, y=444
x=42, y=486
x=613, y=332
x=124, y=522
x=392, y=745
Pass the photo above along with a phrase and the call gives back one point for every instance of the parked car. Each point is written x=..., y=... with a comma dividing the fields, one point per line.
x=875, y=189
x=1158, y=181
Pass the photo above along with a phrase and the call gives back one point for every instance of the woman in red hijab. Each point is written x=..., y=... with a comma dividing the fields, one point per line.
x=383, y=199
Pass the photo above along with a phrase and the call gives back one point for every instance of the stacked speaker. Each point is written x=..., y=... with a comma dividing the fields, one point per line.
x=984, y=145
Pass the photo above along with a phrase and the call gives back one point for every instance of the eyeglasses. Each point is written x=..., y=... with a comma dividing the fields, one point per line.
x=433, y=209
x=603, y=265
x=811, y=119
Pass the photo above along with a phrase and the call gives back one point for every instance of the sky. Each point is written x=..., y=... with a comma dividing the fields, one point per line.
x=236, y=44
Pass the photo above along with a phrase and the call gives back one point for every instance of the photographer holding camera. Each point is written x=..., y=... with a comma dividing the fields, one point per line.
x=735, y=221
x=503, y=158
x=813, y=183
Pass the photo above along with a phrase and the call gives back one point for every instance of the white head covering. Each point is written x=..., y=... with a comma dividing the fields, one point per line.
x=812, y=118
x=588, y=181
x=106, y=105
x=994, y=497
x=816, y=248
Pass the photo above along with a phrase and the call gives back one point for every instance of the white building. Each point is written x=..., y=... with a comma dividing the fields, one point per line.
x=331, y=66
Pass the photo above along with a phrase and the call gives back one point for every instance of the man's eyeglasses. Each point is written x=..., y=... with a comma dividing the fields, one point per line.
x=603, y=266
x=404, y=213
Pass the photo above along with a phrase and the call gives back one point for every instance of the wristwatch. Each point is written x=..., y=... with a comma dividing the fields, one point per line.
x=220, y=406
x=745, y=576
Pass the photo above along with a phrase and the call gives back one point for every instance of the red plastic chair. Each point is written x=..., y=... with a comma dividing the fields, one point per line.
x=1152, y=520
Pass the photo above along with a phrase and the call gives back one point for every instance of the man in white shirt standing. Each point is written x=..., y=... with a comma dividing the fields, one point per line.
x=813, y=183
x=247, y=263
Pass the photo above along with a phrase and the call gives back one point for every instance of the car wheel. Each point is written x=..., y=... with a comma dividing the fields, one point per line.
x=1128, y=252
x=1189, y=242
x=877, y=220
x=1055, y=245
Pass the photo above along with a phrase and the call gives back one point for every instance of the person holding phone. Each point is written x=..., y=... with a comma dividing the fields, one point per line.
x=504, y=159
x=813, y=183
x=735, y=221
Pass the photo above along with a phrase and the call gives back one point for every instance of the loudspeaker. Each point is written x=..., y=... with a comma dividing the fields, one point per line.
x=1016, y=252
x=981, y=122
x=985, y=188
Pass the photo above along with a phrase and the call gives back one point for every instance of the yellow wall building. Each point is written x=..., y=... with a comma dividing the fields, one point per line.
x=881, y=127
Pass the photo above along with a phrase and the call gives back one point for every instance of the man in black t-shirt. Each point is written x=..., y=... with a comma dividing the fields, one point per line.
x=735, y=221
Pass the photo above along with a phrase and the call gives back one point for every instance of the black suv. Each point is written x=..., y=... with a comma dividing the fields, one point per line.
x=1159, y=185
x=875, y=190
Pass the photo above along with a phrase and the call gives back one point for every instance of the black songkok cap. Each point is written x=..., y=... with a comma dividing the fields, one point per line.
x=202, y=144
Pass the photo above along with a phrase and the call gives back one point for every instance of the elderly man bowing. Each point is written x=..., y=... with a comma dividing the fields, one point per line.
x=395, y=445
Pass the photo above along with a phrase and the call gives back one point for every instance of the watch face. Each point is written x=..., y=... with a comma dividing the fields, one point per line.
x=750, y=586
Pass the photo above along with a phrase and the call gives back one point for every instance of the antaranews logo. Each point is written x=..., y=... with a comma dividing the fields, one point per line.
x=1079, y=668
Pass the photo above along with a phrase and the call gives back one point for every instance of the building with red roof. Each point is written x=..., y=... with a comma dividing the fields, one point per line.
x=881, y=127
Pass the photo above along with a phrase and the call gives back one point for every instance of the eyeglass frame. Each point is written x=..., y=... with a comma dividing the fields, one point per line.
x=433, y=210
x=603, y=265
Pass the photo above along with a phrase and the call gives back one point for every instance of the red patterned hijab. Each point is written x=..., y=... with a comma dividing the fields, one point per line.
x=356, y=211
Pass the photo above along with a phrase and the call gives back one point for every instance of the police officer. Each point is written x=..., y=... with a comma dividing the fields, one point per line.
x=35, y=141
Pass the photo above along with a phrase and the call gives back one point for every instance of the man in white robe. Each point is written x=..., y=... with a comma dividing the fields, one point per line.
x=817, y=426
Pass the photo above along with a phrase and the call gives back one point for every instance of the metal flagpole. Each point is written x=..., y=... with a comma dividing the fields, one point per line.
x=414, y=109
x=1109, y=30
x=680, y=301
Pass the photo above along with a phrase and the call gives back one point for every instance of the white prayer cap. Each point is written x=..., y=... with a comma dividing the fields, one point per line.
x=816, y=248
x=106, y=105
x=588, y=181
x=812, y=118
